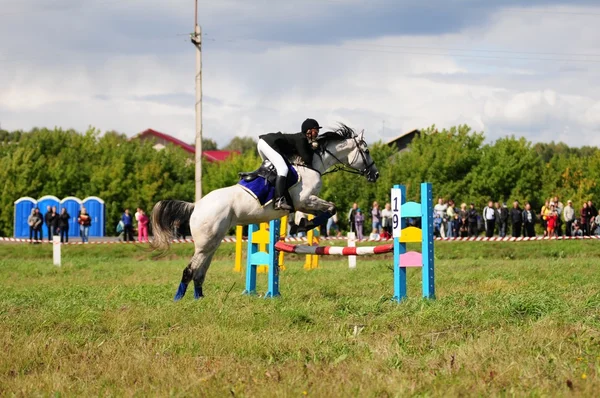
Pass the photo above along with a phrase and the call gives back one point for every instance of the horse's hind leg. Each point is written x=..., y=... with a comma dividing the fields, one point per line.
x=200, y=274
x=185, y=280
x=188, y=274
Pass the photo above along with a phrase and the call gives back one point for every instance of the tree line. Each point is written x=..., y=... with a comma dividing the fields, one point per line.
x=128, y=173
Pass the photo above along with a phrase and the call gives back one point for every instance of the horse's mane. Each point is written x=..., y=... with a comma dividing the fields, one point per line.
x=343, y=132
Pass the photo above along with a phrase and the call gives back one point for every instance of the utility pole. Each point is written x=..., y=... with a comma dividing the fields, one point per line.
x=197, y=42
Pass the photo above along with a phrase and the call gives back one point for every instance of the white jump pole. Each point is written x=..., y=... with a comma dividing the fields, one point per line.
x=351, y=243
x=56, y=249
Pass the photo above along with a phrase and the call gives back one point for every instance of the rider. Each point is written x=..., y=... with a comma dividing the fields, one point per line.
x=274, y=146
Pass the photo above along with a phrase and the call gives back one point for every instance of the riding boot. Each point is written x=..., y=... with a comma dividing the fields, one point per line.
x=280, y=188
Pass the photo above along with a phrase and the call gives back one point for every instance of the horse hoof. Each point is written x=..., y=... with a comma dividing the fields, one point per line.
x=198, y=294
x=180, y=292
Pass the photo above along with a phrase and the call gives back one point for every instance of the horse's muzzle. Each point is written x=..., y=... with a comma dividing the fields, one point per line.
x=372, y=176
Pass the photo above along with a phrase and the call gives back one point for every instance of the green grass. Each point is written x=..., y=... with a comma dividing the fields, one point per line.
x=509, y=319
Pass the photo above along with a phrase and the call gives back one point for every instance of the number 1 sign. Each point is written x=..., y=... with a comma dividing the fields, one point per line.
x=397, y=212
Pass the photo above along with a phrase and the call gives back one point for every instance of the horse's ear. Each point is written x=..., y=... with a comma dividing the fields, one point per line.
x=362, y=133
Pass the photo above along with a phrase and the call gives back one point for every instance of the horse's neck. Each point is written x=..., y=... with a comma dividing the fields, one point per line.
x=323, y=161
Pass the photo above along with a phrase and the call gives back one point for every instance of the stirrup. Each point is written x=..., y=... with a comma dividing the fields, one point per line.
x=281, y=204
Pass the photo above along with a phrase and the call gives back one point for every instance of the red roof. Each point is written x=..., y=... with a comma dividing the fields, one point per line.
x=187, y=147
x=211, y=156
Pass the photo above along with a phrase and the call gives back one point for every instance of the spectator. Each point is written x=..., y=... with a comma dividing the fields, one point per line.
x=332, y=226
x=437, y=225
x=559, y=209
x=351, y=215
x=576, y=229
x=142, y=226
x=529, y=220
x=55, y=230
x=596, y=225
x=502, y=219
x=472, y=220
x=463, y=221
x=49, y=219
x=516, y=218
x=551, y=220
x=544, y=216
x=387, y=220
x=452, y=220
x=35, y=222
x=85, y=221
x=127, y=226
x=489, y=218
x=63, y=225
x=136, y=216
x=376, y=219
x=359, y=220
x=585, y=218
x=569, y=216
x=592, y=213
x=440, y=210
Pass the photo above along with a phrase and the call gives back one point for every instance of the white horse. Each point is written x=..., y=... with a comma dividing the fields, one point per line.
x=212, y=216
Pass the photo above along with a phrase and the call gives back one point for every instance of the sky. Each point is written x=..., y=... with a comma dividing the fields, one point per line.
x=529, y=69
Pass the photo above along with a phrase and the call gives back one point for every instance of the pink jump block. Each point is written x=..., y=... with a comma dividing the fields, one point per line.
x=411, y=259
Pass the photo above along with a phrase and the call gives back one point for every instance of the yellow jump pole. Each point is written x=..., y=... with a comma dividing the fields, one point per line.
x=312, y=260
x=282, y=234
x=238, y=249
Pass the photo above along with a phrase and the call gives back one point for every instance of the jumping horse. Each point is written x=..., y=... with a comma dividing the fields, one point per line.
x=211, y=217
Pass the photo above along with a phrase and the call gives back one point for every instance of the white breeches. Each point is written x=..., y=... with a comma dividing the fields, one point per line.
x=266, y=152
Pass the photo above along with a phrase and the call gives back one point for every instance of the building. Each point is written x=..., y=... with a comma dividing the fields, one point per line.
x=402, y=141
x=162, y=140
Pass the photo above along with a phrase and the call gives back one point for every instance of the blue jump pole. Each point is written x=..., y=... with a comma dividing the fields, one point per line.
x=399, y=248
x=273, y=284
x=250, y=264
x=428, y=272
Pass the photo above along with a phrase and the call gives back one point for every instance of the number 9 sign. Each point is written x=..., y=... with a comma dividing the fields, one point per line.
x=396, y=212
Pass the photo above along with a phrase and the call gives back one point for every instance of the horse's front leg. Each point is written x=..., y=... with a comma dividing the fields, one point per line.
x=314, y=205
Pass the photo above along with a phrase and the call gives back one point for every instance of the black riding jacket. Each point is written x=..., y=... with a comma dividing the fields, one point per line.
x=289, y=145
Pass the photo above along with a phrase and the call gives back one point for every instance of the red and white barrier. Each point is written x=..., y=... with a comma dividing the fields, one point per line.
x=334, y=250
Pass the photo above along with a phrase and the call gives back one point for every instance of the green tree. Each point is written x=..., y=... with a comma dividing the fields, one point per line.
x=208, y=144
x=241, y=144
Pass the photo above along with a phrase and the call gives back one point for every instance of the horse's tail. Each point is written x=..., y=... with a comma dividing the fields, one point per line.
x=164, y=215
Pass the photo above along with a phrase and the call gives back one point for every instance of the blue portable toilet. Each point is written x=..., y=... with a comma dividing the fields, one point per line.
x=95, y=208
x=73, y=205
x=23, y=207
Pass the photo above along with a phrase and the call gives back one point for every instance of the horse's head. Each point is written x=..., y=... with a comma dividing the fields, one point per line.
x=349, y=149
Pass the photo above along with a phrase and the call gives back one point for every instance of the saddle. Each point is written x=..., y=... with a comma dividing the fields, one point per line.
x=268, y=172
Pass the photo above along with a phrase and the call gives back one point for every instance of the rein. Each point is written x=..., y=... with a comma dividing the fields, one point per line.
x=349, y=169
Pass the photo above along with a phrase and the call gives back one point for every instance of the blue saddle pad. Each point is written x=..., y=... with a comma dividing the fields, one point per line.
x=265, y=191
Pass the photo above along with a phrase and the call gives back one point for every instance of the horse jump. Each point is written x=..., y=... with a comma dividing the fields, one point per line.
x=402, y=259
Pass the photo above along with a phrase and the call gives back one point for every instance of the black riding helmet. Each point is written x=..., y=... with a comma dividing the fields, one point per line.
x=310, y=124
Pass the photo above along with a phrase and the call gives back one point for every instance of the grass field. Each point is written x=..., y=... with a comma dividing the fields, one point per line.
x=509, y=319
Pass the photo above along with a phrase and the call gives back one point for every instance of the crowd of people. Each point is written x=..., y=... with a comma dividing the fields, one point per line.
x=496, y=218
x=58, y=224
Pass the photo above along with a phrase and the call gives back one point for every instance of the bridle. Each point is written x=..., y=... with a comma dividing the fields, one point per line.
x=348, y=168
